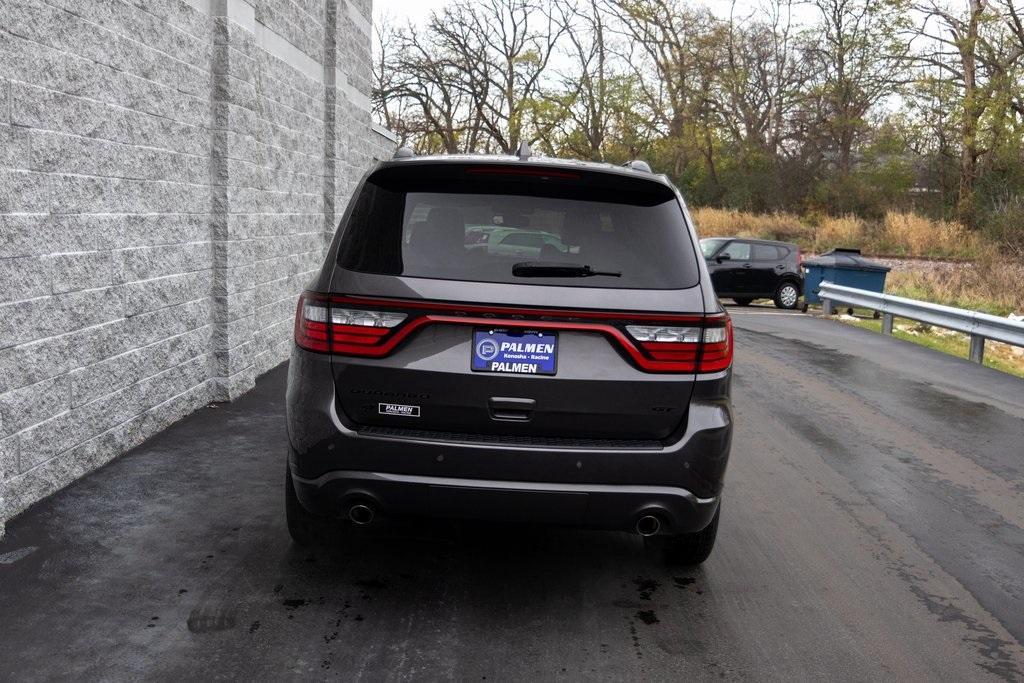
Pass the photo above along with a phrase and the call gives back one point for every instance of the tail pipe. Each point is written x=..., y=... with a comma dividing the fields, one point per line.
x=361, y=514
x=648, y=525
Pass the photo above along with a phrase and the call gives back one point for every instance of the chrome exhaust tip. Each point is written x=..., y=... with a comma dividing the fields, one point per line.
x=361, y=514
x=648, y=525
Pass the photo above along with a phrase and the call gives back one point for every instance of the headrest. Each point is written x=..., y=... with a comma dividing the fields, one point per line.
x=444, y=230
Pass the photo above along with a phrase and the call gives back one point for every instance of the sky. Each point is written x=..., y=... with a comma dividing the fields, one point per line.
x=399, y=12
x=419, y=10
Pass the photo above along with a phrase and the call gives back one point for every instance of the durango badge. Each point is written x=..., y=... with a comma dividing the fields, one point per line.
x=398, y=409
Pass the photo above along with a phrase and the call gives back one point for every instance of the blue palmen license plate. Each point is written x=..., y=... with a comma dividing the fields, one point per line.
x=517, y=353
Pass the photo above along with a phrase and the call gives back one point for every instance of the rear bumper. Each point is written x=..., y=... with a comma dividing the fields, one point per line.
x=601, y=506
x=596, y=484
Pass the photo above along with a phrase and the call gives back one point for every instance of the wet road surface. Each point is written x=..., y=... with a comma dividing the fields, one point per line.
x=873, y=527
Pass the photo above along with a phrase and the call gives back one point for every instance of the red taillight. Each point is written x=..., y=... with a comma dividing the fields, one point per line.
x=310, y=333
x=694, y=348
x=373, y=328
x=716, y=353
x=322, y=326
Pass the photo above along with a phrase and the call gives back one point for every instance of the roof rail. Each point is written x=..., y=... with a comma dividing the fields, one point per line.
x=404, y=153
x=638, y=165
x=524, y=152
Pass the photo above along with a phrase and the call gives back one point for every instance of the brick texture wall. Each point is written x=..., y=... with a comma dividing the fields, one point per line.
x=170, y=175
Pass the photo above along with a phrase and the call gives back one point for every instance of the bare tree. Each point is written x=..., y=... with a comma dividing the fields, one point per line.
x=859, y=53
x=502, y=48
x=747, y=109
x=970, y=48
x=673, y=38
x=1013, y=19
x=762, y=78
x=414, y=93
x=582, y=100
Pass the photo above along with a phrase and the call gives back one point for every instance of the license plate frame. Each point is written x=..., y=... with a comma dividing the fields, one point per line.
x=498, y=358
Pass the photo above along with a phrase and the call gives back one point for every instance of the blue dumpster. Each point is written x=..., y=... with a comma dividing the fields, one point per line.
x=842, y=267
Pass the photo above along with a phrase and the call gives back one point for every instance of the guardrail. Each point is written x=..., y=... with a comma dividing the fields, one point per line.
x=980, y=326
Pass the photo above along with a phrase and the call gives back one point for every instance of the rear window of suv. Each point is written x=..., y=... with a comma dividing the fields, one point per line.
x=474, y=223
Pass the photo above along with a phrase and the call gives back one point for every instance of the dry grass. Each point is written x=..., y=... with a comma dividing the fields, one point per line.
x=904, y=234
x=914, y=235
x=990, y=285
x=773, y=226
x=845, y=231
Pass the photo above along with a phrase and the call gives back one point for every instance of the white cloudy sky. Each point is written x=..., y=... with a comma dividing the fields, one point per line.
x=416, y=10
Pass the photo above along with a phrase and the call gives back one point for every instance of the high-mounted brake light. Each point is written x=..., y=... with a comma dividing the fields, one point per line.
x=515, y=170
x=654, y=342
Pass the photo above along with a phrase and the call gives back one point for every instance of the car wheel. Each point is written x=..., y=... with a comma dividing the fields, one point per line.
x=689, y=549
x=743, y=301
x=787, y=296
x=304, y=527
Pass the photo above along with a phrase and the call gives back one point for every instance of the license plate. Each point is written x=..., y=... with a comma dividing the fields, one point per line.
x=515, y=353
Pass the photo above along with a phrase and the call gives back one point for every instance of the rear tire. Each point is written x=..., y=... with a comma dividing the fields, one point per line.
x=742, y=301
x=304, y=527
x=787, y=296
x=691, y=549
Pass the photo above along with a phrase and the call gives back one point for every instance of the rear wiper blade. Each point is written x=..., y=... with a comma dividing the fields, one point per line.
x=545, y=269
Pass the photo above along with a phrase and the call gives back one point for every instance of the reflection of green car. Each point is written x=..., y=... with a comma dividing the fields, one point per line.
x=522, y=243
x=477, y=235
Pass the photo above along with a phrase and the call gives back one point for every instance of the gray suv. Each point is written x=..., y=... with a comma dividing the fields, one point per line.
x=585, y=384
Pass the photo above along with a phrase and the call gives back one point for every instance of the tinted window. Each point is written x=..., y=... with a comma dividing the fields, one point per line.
x=524, y=239
x=738, y=251
x=709, y=246
x=766, y=252
x=428, y=227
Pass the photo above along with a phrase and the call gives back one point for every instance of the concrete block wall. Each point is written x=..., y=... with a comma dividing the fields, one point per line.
x=169, y=177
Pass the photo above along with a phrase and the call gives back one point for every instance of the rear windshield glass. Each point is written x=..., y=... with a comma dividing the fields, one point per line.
x=455, y=224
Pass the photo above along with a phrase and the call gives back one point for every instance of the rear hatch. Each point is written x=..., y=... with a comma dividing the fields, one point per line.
x=515, y=302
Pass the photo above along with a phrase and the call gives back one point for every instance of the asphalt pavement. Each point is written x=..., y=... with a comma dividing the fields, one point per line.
x=873, y=527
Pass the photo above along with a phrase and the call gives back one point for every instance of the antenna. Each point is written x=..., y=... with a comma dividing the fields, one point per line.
x=637, y=165
x=524, y=151
x=404, y=153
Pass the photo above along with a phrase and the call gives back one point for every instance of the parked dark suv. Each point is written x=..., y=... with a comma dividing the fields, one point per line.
x=744, y=270
x=437, y=373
